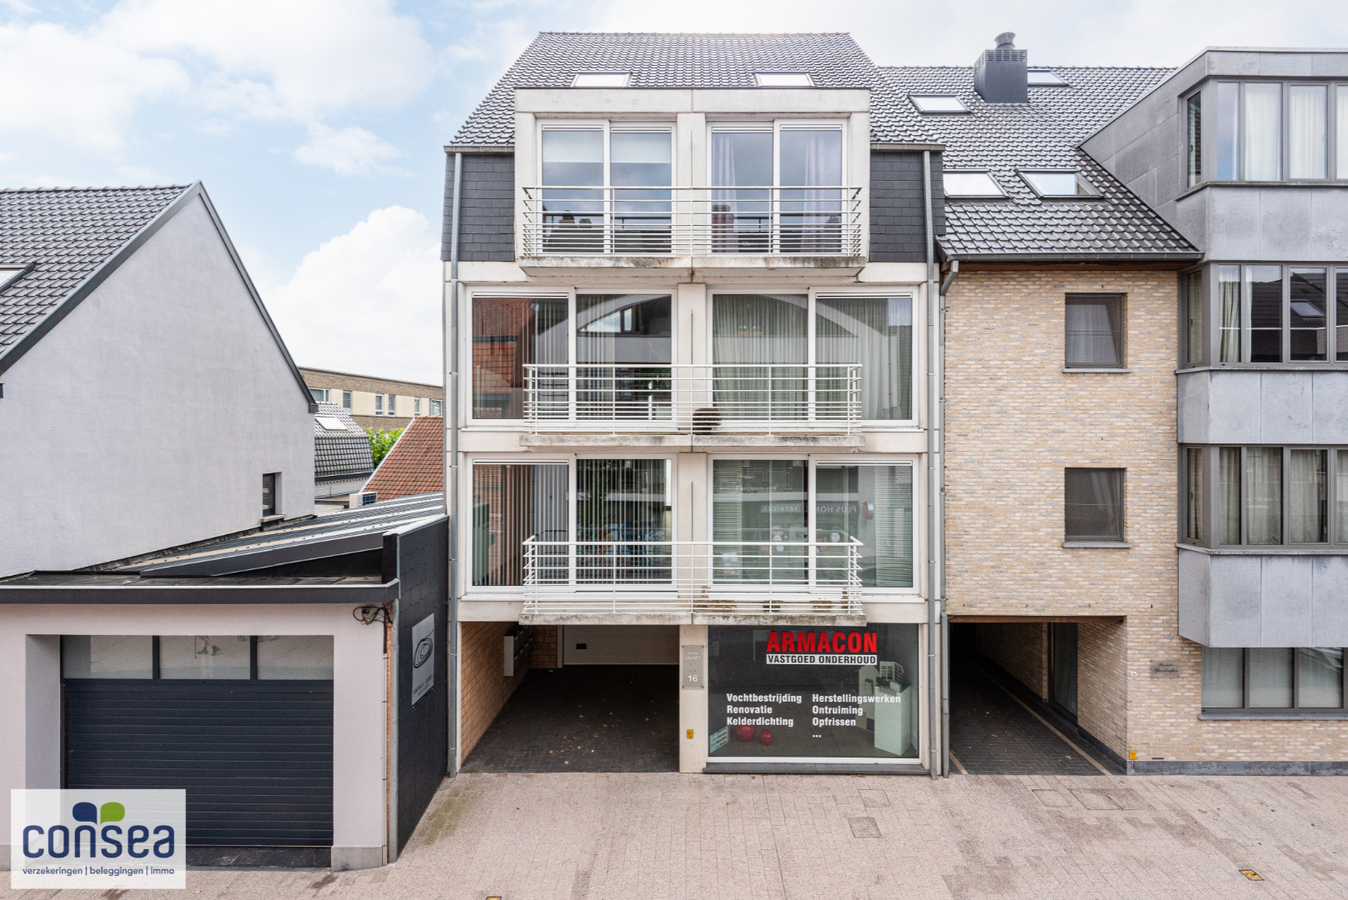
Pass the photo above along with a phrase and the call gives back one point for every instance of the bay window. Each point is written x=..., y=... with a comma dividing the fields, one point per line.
x=1267, y=314
x=1273, y=680
x=1258, y=122
x=1265, y=496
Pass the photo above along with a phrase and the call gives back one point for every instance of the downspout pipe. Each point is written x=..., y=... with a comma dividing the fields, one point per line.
x=933, y=680
x=450, y=314
x=945, y=616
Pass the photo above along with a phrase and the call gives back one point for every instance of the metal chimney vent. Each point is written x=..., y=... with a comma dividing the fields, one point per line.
x=1000, y=75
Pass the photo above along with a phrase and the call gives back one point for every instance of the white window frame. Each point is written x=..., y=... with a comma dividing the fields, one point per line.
x=325, y=392
x=875, y=292
x=813, y=461
x=609, y=127
x=916, y=100
x=379, y=404
x=1001, y=191
x=466, y=341
x=569, y=460
x=776, y=126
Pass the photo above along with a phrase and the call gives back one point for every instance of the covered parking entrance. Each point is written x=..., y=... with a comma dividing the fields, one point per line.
x=593, y=698
x=1020, y=691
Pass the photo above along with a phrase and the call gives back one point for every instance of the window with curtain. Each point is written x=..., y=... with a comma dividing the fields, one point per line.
x=1341, y=315
x=1341, y=494
x=1094, y=504
x=760, y=347
x=1229, y=508
x=1228, y=296
x=1341, y=138
x=1307, y=131
x=1263, y=495
x=1094, y=331
x=1261, y=131
x=874, y=505
x=624, y=500
x=877, y=333
x=624, y=346
x=1193, y=115
x=1308, y=496
x=810, y=161
x=759, y=506
x=1273, y=679
x=508, y=334
x=742, y=177
x=1194, y=494
x=573, y=197
x=512, y=503
x=1263, y=294
x=1228, y=131
x=1193, y=298
x=1309, y=314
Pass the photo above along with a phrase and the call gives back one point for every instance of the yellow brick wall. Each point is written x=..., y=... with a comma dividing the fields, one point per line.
x=1021, y=650
x=1014, y=421
x=484, y=689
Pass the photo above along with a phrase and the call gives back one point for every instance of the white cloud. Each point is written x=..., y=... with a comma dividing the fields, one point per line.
x=367, y=301
x=299, y=58
x=351, y=151
x=77, y=87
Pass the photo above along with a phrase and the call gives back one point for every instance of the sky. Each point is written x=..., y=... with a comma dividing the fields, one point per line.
x=318, y=128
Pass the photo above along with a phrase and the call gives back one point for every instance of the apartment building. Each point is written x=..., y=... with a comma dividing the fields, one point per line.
x=384, y=404
x=1246, y=153
x=689, y=297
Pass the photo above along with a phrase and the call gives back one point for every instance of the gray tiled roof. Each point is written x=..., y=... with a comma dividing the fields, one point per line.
x=682, y=61
x=66, y=234
x=340, y=452
x=1003, y=137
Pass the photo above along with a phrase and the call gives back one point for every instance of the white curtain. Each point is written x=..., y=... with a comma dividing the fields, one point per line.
x=1194, y=512
x=764, y=337
x=740, y=219
x=1262, y=134
x=1307, y=497
x=892, y=490
x=1263, y=495
x=1229, y=287
x=1229, y=477
x=1093, y=331
x=1319, y=677
x=1342, y=495
x=1307, y=131
x=876, y=332
x=811, y=219
x=1341, y=118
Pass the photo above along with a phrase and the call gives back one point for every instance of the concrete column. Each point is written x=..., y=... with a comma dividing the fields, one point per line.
x=693, y=705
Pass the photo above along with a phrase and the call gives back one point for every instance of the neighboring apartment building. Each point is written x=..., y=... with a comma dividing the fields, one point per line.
x=384, y=404
x=121, y=299
x=1246, y=152
x=688, y=288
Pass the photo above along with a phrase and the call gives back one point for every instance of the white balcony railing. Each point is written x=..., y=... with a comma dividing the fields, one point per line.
x=692, y=221
x=696, y=399
x=665, y=577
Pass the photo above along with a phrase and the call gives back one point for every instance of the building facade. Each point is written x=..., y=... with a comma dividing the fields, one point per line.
x=688, y=298
x=384, y=404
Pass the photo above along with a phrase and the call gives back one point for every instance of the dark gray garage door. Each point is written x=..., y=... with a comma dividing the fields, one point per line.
x=255, y=757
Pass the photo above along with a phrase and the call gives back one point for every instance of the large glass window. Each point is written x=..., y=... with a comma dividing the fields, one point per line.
x=1276, y=314
x=573, y=199
x=1273, y=679
x=1341, y=137
x=760, y=347
x=1271, y=495
x=1193, y=114
x=623, y=352
x=513, y=504
x=1308, y=497
x=624, y=518
x=811, y=695
x=1094, y=505
x=1194, y=495
x=1309, y=315
x=198, y=657
x=1094, y=331
x=1194, y=301
x=1307, y=131
x=1261, y=131
x=1228, y=131
x=1229, y=327
x=876, y=332
x=508, y=334
x=1263, y=495
x=873, y=505
x=760, y=521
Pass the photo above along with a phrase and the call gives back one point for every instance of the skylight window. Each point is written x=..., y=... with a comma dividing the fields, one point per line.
x=331, y=423
x=601, y=79
x=1043, y=78
x=971, y=184
x=783, y=79
x=938, y=103
x=1059, y=184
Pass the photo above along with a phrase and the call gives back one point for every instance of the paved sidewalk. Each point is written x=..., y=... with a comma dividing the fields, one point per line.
x=640, y=836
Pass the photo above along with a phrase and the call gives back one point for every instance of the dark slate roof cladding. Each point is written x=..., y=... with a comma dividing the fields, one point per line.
x=1044, y=133
x=340, y=452
x=682, y=61
x=66, y=234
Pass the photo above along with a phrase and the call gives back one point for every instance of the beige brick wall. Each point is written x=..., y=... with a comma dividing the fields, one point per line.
x=484, y=689
x=545, y=647
x=1022, y=650
x=1014, y=421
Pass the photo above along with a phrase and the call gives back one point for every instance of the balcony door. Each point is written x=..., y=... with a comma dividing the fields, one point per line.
x=624, y=347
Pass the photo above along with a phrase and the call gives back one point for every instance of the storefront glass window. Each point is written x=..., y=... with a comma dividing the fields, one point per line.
x=812, y=694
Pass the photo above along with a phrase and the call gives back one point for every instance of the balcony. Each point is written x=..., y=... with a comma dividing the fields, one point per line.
x=809, y=582
x=706, y=404
x=692, y=227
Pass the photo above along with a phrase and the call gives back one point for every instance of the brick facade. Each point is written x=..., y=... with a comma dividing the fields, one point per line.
x=1014, y=421
x=1022, y=650
x=483, y=687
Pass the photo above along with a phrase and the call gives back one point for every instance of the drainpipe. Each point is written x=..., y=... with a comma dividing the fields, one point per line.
x=945, y=617
x=450, y=309
x=933, y=682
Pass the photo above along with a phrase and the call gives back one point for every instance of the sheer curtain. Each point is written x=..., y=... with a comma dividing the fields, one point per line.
x=1307, y=131
x=1094, y=329
x=1341, y=118
x=1307, y=497
x=512, y=503
x=1229, y=477
x=760, y=345
x=1262, y=132
x=876, y=332
x=1223, y=677
x=1342, y=495
x=740, y=218
x=811, y=219
x=1228, y=285
x=623, y=500
x=1270, y=677
x=1319, y=677
x=1263, y=495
